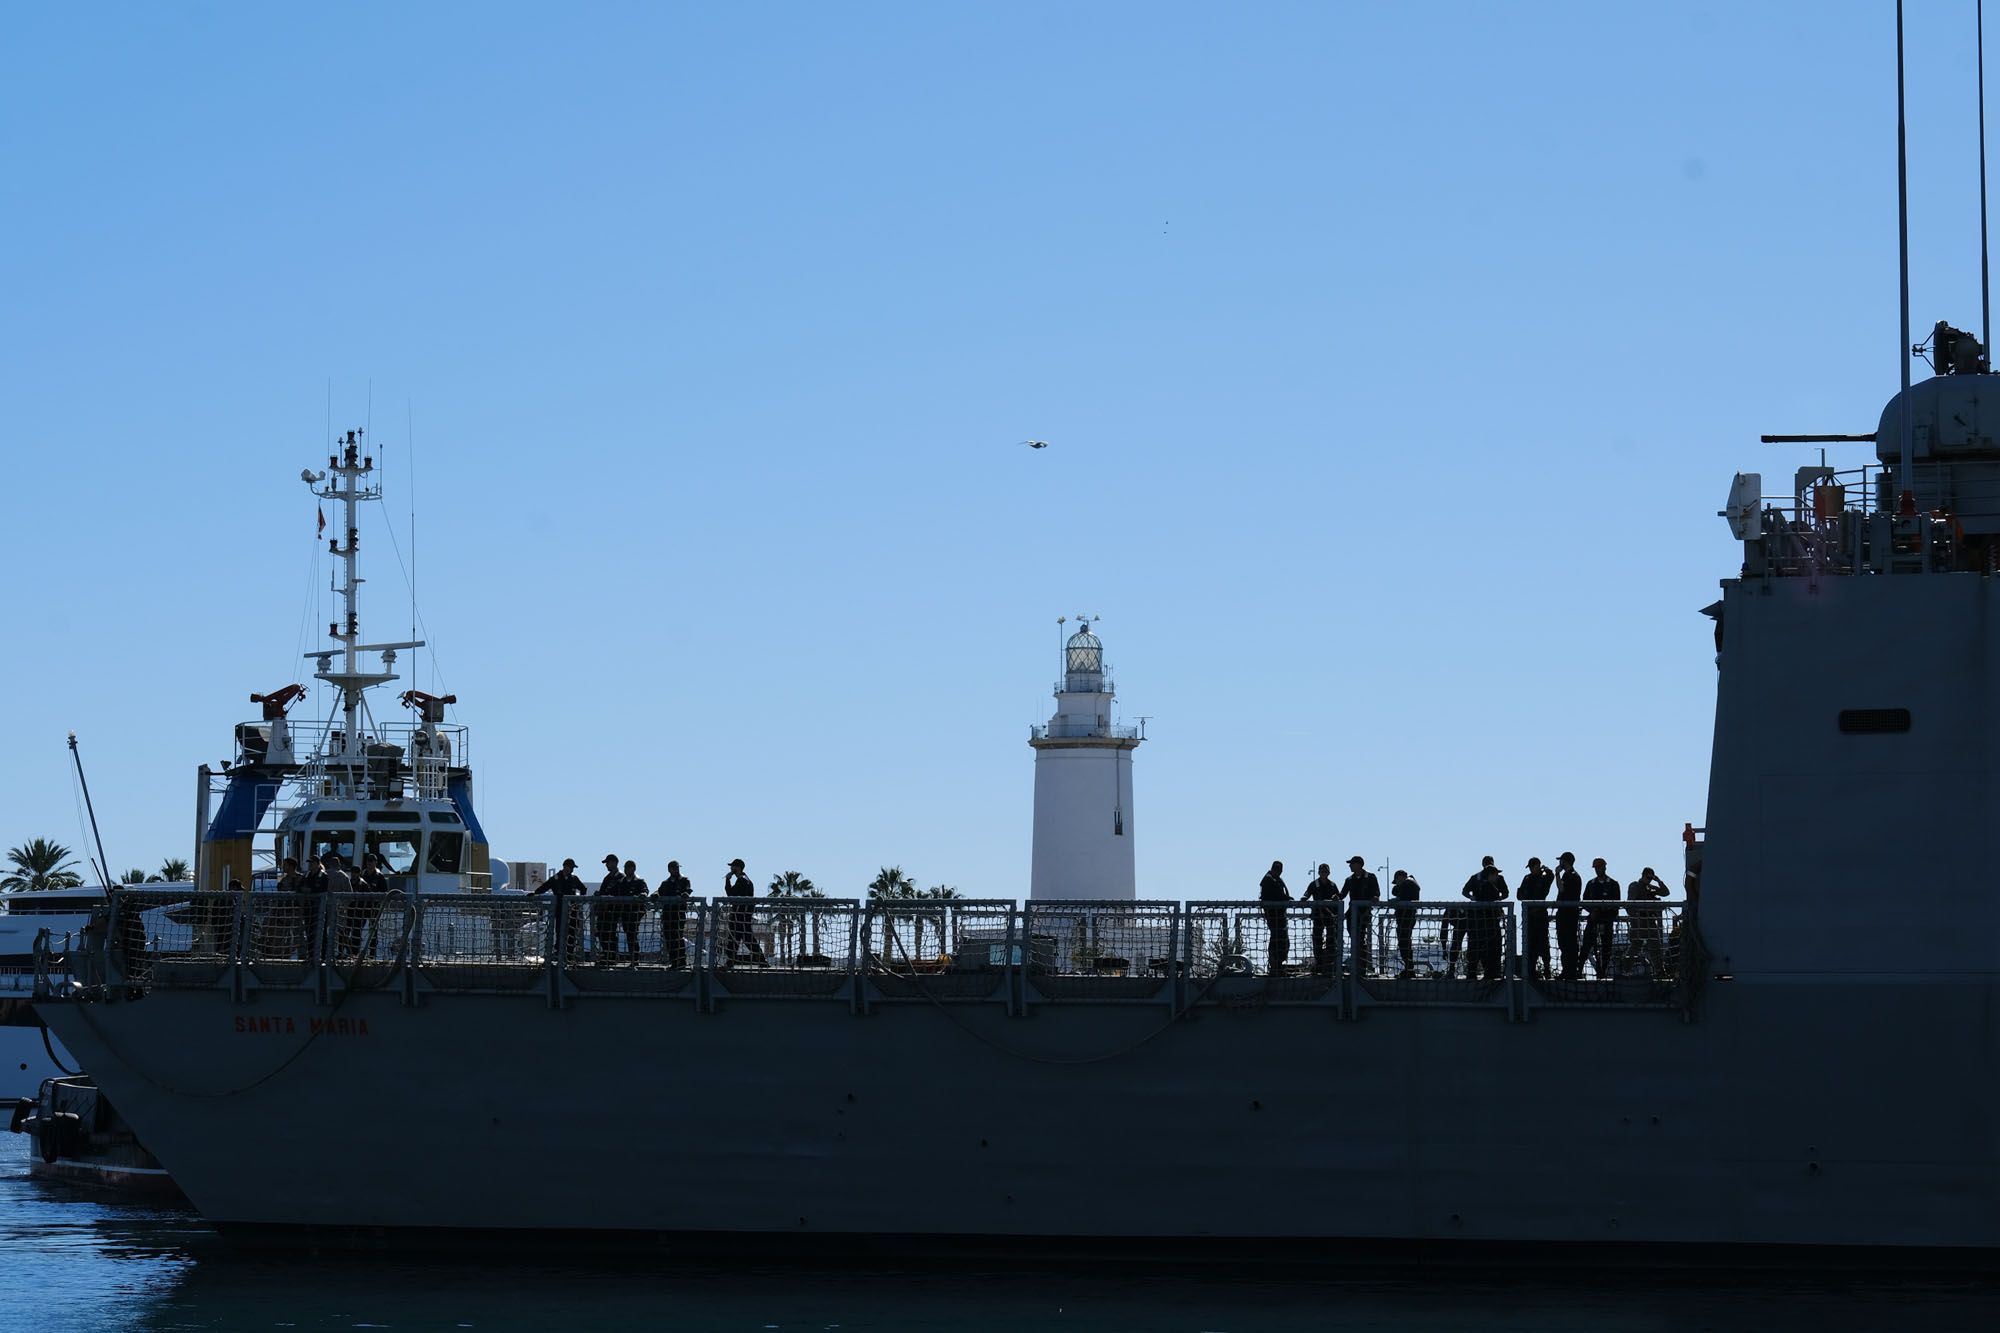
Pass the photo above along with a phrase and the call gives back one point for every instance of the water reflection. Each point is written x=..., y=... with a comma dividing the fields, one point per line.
x=72, y=1260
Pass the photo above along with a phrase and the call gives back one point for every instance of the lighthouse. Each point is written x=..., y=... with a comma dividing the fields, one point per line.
x=1083, y=784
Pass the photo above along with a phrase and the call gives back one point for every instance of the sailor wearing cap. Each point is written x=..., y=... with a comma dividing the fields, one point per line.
x=1534, y=890
x=1405, y=891
x=1458, y=923
x=737, y=884
x=1324, y=895
x=1486, y=889
x=1646, y=937
x=1600, y=922
x=563, y=883
x=675, y=890
x=604, y=912
x=629, y=912
x=1569, y=889
x=1362, y=891
x=1273, y=894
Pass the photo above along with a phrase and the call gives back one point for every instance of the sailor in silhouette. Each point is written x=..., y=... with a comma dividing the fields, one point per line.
x=604, y=909
x=1405, y=891
x=675, y=890
x=1646, y=938
x=1487, y=889
x=1324, y=895
x=736, y=884
x=359, y=919
x=559, y=886
x=1600, y=922
x=631, y=908
x=1534, y=891
x=1275, y=897
x=564, y=883
x=1569, y=889
x=1362, y=891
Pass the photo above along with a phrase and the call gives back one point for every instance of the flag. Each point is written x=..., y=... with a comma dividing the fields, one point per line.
x=322, y=520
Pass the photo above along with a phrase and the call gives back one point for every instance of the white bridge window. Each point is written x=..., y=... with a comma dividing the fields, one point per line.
x=397, y=850
x=331, y=840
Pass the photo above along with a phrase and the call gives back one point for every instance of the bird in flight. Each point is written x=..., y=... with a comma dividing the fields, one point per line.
x=1036, y=444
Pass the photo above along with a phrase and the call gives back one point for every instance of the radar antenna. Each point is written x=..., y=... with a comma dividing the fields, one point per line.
x=1903, y=258
x=349, y=479
x=1985, y=281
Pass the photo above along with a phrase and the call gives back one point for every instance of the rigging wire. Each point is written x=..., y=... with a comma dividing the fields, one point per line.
x=416, y=617
x=305, y=611
x=1985, y=274
x=76, y=797
x=410, y=484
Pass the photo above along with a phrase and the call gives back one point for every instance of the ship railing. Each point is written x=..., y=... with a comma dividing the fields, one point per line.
x=1101, y=950
x=171, y=936
x=1618, y=954
x=595, y=928
x=367, y=938
x=732, y=946
x=629, y=945
x=281, y=938
x=63, y=964
x=315, y=739
x=940, y=949
x=430, y=775
x=482, y=943
x=782, y=947
x=1815, y=530
x=1437, y=953
x=1257, y=952
x=395, y=758
x=1515, y=956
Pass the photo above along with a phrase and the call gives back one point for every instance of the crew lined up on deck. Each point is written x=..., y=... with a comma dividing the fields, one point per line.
x=1473, y=929
x=1585, y=916
x=619, y=907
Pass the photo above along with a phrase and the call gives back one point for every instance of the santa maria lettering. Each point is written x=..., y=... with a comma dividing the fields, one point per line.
x=315, y=1027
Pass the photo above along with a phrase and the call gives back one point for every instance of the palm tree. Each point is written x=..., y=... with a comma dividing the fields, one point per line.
x=175, y=871
x=890, y=885
x=133, y=877
x=791, y=884
x=938, y=892
x=891, y=882
x=40, y=864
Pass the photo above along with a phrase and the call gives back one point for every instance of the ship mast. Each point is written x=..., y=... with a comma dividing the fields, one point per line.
x=349, y=479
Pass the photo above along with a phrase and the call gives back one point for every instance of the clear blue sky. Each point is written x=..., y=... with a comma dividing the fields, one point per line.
x=1395, y=360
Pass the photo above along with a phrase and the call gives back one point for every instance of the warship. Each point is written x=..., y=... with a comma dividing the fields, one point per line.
x=1798, y=1053
x=1795, y=1055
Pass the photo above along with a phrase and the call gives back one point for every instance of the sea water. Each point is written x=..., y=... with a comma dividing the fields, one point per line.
x=72, y=1259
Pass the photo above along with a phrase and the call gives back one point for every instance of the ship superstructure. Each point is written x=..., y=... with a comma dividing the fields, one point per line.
x=355, y=783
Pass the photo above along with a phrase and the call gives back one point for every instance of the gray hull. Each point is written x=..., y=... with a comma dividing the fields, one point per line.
x=1757, y=1125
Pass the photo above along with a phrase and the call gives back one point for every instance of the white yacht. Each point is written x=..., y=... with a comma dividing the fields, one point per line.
x=27, y=1054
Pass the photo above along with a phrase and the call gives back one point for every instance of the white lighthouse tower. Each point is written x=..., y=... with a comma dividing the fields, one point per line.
x=1083, y=784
